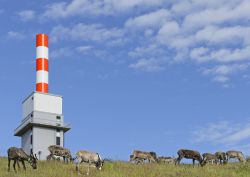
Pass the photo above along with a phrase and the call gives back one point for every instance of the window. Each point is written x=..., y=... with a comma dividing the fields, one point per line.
x=31, y=139
x=58, y=130
x=31, y=151
x=58, y=141
x=58, y=117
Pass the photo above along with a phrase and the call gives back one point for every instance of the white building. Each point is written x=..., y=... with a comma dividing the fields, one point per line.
x=42, y=123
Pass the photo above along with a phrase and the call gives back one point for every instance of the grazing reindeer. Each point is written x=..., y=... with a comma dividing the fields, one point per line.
x=137, y=160
x=91, y=158
x=139, y=156
x=18, y=154
x=189, y=154
x=236, y=154
x=221, y=156
x=59, y=151
x=167, y=160
x=208, y=157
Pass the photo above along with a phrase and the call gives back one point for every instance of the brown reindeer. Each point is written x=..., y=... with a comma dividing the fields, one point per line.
x=140, y=156
x=59, y=151
x=221, y=156
x=18, y=154
x=209, y=158
x=189, y=154
x=166, y=160
x=90, y=158
x=236, y=154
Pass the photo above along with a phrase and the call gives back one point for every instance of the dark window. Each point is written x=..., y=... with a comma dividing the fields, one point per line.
x=31, y=139
x=32, y=98
x=31, y=151
x=58, y=117
x=58, y=130
x=58, y=141
x=31, y=115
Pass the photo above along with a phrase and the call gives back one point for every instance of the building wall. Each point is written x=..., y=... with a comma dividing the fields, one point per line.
x=28, y=106
x=48, y=118
x=42, y=139
x=41, y=102
x=47, y=103
x=25, y=141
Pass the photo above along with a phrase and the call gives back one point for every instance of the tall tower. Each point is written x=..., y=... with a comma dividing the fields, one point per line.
x=42, y=122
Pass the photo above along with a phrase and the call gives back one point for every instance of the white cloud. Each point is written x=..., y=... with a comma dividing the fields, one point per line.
x=226, y=69
x=27, y=15
x=213, y=32
x=148, y=65
x=131, y=4
x=149, y=51
x=15, y=35
x=221, y=73
x=60, y=53
x=76, y=7
x=182, y=7
x=152, y=19
x=223, y=55
x=221, y=79
x=83, y=32
x=95, y=7
x=218, y=15
x=167, y=32
x=224, y=132
x=84, y=48
x=227, y=55
x=218, y=35
x=200, y=54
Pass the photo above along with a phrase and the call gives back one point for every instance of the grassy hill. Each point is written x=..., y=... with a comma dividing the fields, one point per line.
x=123, y=169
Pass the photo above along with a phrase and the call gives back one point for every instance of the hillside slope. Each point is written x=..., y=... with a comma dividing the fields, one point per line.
x=122, y=169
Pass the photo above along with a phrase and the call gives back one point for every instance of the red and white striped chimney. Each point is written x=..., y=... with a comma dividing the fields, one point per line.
x=42, y=63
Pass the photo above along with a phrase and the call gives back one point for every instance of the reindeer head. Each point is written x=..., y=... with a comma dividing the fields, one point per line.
x=100, y=164
x=33, y=161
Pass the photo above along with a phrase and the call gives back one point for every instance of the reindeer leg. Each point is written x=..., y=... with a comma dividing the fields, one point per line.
x=88, y=169
x=178, y=160
x=14, y=165
x=23, y=165
x=77, y=167
x=18, y=164
x=9, y=164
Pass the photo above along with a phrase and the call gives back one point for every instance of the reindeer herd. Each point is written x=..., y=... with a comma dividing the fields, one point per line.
x=93, y=159
x=139, y=157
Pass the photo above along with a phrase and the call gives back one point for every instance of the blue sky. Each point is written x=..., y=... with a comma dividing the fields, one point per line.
x=154, y=75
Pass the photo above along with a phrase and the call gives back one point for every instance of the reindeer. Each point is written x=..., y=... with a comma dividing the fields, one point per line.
x=137, y=160
x=166, y=160
x=18, y=154
x=189, y=154
x=59, y=151
x=221, y=156
x=208, y=157
x=236, y=154
x=140, y=157
x=90, y=158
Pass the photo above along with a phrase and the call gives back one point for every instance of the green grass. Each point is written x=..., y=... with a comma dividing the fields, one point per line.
x=123, y=169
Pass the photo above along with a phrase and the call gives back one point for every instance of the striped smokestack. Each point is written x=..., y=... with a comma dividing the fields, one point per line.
x=42, y=63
